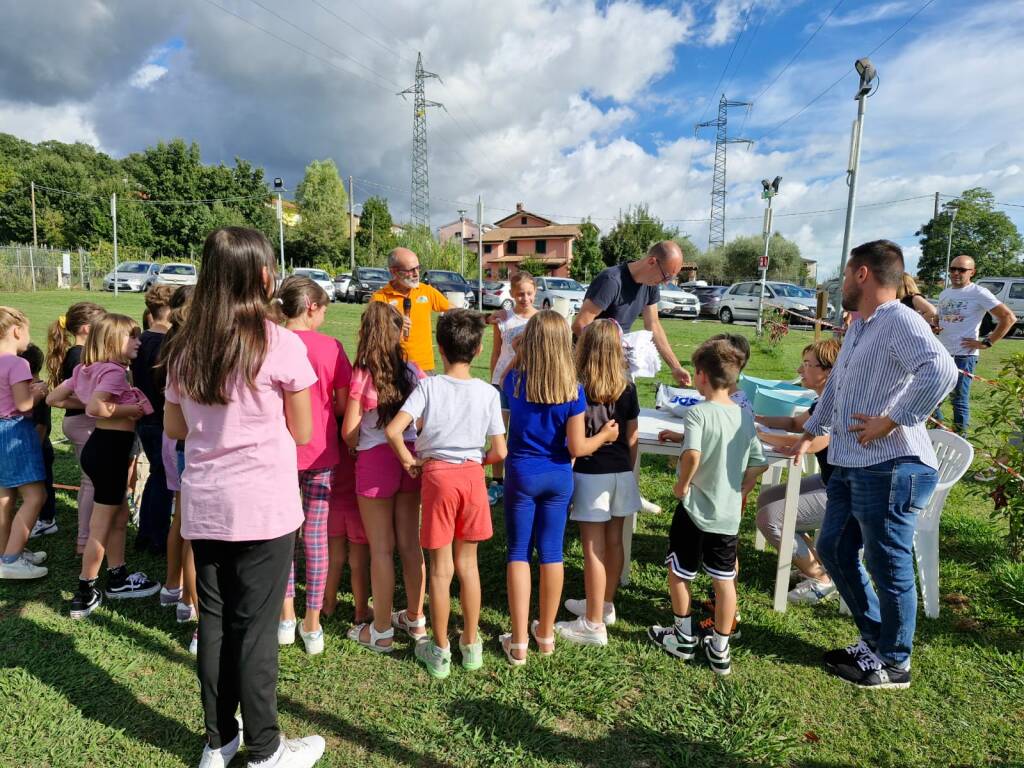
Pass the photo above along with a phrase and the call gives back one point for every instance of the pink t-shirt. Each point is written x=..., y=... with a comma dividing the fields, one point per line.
x=333, y=371
x=108, y=377
x=362, y=389
x=241, y=480
x=13, y=369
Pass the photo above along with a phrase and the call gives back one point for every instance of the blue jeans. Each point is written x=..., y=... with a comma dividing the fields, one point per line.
x=876, y=508
x=157, y=502
x=960, y=397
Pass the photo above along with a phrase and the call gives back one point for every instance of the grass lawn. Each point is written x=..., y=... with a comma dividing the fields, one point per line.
x=120, y=689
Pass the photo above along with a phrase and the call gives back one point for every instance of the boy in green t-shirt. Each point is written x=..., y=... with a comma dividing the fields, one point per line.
x=721, y=460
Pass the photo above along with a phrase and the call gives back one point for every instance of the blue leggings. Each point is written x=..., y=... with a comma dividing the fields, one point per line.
x=536, y=510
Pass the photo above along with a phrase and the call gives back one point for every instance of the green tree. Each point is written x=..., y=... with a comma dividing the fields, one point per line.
x=586, y=253
x=374, y=237
x=710, y=264
x=633, y=235
x=690, y=251
x=533, y=265
x=741, y=258
x=323, y=205
x=987, y=235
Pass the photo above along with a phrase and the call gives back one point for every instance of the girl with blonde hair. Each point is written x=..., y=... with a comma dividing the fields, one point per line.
x=546, y=431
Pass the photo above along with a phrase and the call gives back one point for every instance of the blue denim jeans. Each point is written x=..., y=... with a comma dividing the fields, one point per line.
x=960, y=397
x=157, y=502
x=876, y=508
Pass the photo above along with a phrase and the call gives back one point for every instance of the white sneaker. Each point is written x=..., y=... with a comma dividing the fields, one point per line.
x=286, y=632
x=649, y=507
x=36, y=558
x=295, y=753
x=193, y=644
x=21, y=569
x=169, y=596
x=43, y=528
x=579, y=608
x=314, y=641
x=811, y=591
x=582, y=632
x=219, y=758
x=185, y=613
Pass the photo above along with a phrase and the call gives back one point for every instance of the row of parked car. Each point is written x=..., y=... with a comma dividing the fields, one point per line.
x=143, y=275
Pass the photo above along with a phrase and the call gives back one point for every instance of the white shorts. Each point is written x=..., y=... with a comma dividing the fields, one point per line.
x=599, y=498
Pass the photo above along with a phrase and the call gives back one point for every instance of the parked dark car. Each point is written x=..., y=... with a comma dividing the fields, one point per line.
x=452, y=282
x=709, y=296
x=366, y=281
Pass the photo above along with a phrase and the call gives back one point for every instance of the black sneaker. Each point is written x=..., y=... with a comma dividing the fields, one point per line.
x=123, y=586
x=672, y=642
x=869, y=671
x=847, y=657
x=721, y=661
x=85, y=602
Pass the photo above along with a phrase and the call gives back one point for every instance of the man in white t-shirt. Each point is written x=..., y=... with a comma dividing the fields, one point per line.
x=961, y=309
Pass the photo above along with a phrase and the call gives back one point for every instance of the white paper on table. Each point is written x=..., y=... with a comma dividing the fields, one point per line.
x=641, y=354
x=676, y=400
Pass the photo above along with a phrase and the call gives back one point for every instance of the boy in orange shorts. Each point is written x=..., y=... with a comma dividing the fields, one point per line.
x=457, y=415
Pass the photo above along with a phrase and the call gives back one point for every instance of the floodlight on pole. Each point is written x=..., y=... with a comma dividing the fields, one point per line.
x=770, y=190
x=868, y=85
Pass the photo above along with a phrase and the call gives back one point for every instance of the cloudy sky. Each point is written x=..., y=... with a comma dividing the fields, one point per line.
x=574, y=107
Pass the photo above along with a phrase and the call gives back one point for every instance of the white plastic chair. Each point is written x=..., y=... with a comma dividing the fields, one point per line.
x=955, y=456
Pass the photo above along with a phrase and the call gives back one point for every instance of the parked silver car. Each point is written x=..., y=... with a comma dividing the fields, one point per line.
x=173, y=274
x=341, y=284
x=319, y=277
x=675, y=302
x=498, y=294
x=741, y=301
x=1010, y=291
x=551, y=288
x=131, y=276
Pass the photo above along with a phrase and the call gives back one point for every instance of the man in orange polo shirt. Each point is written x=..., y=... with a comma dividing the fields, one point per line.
x=416, y=302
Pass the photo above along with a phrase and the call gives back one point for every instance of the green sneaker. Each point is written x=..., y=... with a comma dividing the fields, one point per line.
x=438, y=661
x=472, y=655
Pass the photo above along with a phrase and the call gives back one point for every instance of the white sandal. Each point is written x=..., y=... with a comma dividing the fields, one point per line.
x=400, y=620
x=545, y=640
x=509, y=646
x=356, y=633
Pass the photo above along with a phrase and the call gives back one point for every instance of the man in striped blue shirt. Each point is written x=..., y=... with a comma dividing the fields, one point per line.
x=890, y=375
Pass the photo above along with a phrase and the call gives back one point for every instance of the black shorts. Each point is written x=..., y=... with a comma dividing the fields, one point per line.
x=689, y=548
x=105, y=459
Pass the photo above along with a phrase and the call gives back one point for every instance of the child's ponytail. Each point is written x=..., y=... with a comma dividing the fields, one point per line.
x=57, y=346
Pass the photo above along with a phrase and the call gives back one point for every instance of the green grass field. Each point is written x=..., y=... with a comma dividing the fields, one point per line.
x=120, y=689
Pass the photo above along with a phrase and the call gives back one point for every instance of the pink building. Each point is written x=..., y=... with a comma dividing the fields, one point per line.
x=524, y=235
x=465, y=229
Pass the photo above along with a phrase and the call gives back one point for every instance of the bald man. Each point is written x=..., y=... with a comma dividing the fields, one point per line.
x=416, y=301
x=961, y=309
x=625, y=292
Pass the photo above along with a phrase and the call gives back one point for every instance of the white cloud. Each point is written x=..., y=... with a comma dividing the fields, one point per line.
x=868, y=14
x=65, y=122
x=146, y=75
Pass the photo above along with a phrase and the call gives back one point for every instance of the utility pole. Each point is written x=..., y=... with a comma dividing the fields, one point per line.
x=35, y=238
x=716, y=234
x=949, y=244
x=351, y=228
x=462, y=239
x=420, y=179
x=770, y=190
x=279, y=187
x=480, y=251
x=867, y=73
x=113, y=215
x=936, y=214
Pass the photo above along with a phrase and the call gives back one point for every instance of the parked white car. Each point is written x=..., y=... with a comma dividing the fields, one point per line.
x=675, y=302
x=1010, y=291
x=741, y=301
x=550, y=288
x=174, y=274
x=341, y=284
x=131, y=276
x=319, y=277
x=498, y=294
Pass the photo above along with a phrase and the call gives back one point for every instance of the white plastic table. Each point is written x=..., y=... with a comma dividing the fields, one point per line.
x=652, y=422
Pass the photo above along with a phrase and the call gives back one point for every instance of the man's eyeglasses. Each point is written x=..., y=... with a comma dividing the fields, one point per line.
x=665, y=277
x=410, y=271
x=959, y=269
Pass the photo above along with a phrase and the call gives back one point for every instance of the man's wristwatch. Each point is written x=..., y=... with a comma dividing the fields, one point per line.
x=987, y=342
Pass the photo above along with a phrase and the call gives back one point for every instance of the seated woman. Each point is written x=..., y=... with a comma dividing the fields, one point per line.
x=817, y=364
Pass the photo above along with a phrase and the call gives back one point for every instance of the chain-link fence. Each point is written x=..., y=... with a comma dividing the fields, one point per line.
x=27, y=268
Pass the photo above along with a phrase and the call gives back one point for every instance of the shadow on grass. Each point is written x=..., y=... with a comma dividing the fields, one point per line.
x=93, y=691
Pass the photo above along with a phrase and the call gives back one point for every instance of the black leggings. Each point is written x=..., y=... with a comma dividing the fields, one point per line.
x=106, y=457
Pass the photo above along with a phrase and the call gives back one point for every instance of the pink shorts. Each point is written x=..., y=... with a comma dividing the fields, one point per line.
x=380, y=476
x=169, y=456
x=343, y=520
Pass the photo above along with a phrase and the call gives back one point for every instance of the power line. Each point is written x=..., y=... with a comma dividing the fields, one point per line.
x=210, y=201
x=728, y=61
x=750, y=44
x=368, y=36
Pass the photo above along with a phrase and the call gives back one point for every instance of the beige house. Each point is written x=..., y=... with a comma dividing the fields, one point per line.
x=523, y=235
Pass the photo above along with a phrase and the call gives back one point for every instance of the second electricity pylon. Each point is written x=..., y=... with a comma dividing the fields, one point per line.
x=420, y=178
x=716, y=236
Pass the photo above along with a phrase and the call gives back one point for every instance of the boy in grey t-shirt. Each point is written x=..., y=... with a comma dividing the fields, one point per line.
x=721, y=460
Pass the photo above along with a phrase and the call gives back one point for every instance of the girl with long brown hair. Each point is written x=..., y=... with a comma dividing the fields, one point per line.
x=65, y=343
x=546, y=431
x=237, y=394
x=389, y=498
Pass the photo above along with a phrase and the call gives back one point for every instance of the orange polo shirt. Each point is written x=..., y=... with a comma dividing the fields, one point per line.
x=419, y=347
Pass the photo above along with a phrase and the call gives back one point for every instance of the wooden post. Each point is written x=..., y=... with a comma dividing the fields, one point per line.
x=819, y=313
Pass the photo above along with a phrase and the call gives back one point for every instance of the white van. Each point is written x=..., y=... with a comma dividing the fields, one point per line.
x=1010, y=291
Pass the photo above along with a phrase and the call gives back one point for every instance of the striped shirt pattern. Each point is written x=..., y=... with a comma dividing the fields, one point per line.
x=891, y=365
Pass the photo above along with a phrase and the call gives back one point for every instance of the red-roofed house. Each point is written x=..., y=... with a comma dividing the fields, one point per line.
x=524, y=235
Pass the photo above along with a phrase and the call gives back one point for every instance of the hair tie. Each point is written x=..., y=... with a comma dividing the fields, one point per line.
x=276, y=300
x=307, y=302
x=63, y=321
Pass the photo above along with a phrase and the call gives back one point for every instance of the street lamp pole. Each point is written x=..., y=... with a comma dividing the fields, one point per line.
x=279, y=186
x=462, y=240
x=949, y=244
x=868, y=75
x=769, y=191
